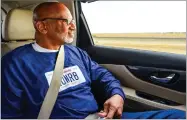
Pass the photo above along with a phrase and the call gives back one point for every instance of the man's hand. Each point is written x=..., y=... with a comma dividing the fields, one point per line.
x=112, y=107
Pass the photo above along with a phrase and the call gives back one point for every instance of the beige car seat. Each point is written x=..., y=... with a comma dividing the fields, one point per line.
x=17, y=30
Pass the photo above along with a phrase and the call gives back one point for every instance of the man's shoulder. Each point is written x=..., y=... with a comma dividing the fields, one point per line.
x=76, y=51
x=17, y=53
x=74, y=48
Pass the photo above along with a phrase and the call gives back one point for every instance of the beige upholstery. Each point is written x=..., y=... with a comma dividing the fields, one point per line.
x=18, y=25
x=17, y=30
x=6, y=47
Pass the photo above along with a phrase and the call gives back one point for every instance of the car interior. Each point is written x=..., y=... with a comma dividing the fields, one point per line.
x=150, y=80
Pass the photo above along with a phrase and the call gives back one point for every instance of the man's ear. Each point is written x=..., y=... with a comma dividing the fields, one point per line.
x=41, y=27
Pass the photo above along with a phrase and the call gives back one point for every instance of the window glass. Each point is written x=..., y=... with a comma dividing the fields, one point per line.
x=145, y=25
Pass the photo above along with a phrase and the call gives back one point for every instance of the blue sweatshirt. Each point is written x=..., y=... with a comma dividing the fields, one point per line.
x=26, y=76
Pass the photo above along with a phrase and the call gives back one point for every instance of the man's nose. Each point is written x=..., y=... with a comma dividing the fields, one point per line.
x=72, y=25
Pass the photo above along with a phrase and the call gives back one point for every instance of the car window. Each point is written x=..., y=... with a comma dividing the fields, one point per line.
x=145, y=25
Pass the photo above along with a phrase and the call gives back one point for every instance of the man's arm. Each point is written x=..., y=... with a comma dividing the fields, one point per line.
x=98, y=73
x=10, y=91
x=114, y=93
x=110, y=84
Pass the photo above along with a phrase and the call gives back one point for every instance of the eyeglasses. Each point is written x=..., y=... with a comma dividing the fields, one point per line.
x=66, y=20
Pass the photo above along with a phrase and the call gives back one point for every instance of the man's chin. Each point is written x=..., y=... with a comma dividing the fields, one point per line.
x=68, y=41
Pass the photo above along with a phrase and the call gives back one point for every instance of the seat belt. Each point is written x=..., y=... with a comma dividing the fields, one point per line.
x=52, y=93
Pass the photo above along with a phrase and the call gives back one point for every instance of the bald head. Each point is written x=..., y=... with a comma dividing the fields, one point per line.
x=54, y=24
x=50, y=9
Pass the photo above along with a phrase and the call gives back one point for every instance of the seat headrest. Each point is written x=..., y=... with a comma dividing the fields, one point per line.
x=18, y=25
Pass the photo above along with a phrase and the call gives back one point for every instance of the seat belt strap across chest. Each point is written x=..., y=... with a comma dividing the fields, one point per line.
x=52, y=93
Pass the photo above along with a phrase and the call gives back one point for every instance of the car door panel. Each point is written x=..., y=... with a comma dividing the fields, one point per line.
x=132, y=77
x=135, y=57
x=127, y=79
x=136, y=103
x=172, y=79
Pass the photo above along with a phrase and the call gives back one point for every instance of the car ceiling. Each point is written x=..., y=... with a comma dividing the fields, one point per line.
x=21, y=3
x=26, y=4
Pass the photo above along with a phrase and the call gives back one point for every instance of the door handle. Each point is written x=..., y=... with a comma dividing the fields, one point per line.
x=164, y=79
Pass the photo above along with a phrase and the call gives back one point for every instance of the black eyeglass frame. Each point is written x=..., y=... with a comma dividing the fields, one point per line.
x=66, y=20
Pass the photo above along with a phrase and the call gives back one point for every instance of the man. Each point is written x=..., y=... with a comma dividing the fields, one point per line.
x=27, y=72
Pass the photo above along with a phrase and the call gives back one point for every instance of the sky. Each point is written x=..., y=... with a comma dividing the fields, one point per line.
x=135, y=16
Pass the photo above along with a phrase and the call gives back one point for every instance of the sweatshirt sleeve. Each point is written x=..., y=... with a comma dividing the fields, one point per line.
x=98, y=73
x=11, y=92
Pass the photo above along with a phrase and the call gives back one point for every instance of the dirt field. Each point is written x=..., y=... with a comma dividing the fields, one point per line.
x=154, y=42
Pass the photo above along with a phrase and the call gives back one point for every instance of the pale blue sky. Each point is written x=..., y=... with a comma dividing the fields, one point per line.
x=135, y=16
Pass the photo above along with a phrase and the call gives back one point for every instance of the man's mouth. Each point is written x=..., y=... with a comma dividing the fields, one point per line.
x=71, y=34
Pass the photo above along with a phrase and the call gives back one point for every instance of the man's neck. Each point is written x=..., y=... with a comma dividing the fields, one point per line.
x=47, y=43
x=38, y=48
